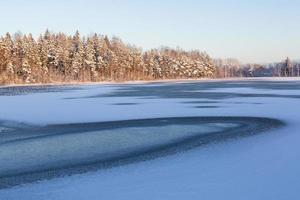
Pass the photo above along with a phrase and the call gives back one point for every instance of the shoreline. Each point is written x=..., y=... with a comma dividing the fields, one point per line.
x=153, y=81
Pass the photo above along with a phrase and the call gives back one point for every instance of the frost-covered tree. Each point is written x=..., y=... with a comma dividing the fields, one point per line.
x=90, y=64
x=60, y=57
x=77, y=55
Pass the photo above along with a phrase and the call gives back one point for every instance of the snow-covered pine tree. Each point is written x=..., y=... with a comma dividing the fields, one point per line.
x=90, y=60
x=59, y=57
x=77, y=55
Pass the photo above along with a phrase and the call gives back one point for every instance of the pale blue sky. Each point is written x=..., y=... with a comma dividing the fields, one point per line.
x=250, y=30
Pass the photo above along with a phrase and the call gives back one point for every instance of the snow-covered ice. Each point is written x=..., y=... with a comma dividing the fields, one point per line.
x=260, y=167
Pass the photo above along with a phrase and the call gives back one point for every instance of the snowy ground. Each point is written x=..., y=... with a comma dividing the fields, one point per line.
x=260, y=167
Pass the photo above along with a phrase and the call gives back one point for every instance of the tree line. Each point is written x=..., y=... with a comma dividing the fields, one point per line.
x=233, y=68
x=57, y=57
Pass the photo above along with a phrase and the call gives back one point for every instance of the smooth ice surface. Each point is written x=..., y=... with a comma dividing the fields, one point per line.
x=41, y=153
x=260, y=167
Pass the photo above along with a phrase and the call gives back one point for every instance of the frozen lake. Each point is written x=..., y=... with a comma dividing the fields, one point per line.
x=210, y=140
